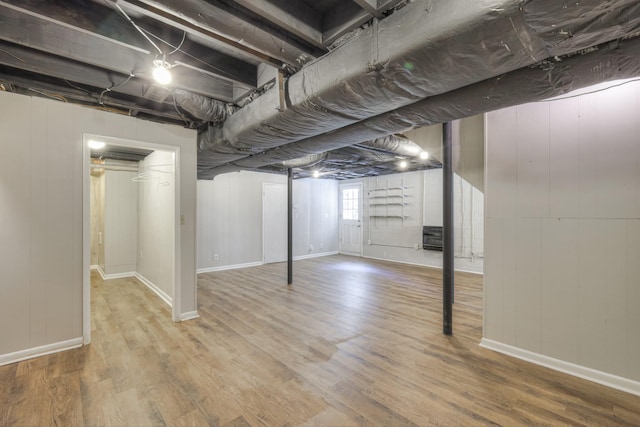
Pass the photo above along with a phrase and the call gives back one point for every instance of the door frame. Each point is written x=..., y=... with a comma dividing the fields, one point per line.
x=360, y=213
x=86, y=224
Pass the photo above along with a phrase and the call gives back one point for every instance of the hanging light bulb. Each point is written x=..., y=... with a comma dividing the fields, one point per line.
x=403, y=164
x=316, y=174
x=161, y=73
x=424, y=155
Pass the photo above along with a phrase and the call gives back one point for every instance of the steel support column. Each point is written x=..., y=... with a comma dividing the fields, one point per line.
x=447, y=220
x=289, y=226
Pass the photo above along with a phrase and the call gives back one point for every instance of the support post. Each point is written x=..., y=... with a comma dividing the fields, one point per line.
x=290, y=226
x=447, y=222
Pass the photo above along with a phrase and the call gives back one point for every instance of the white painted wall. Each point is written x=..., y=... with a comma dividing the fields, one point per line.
x=156, y=219
x=120, y=233
x=395, y=240
x=562, y=276
x=41, y=214
x=230, y=218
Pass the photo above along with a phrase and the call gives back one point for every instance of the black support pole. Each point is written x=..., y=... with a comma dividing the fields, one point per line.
x=447, y=220
x=290, y=226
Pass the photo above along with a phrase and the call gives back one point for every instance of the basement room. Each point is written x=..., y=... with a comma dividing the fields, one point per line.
x=319, y=213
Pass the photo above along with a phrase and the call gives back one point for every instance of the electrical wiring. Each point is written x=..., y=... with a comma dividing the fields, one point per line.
x=50, y=95
x=593, y=91
x=213, y=67
x=184, y=36
x=114, y=85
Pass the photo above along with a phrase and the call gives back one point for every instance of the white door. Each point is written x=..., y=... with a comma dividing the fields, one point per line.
x=274, y=222
x=351, y=219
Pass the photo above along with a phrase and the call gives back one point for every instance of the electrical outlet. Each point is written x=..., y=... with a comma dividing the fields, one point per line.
x=216, y=257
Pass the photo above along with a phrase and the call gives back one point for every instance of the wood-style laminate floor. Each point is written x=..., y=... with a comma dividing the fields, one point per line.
x=353, y=343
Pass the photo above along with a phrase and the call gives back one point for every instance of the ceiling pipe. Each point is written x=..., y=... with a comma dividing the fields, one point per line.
x=616, y=60
x=426, y=49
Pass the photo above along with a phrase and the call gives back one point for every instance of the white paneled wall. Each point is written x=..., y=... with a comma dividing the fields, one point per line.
x=230, y=218
x=562, y=270
x=156, y=220
x=41, y=217
x=120, y=233
x=396, y=240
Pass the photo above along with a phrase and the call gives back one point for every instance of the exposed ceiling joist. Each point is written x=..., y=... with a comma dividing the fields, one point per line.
x=295, y=17
x=57, y=91
x=371, y=6
x=342, y=19
x=223, y=24
x=25, y=28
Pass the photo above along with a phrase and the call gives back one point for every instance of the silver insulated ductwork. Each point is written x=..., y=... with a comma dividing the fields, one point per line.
x=424, y=51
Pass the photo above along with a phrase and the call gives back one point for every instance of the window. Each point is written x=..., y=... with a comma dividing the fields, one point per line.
x=350, y=204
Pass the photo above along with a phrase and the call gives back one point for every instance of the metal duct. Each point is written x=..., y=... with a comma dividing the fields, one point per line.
x=616, y=60
x=393, y=144
x=303, y=162
x=203, y=108
x=425, y=49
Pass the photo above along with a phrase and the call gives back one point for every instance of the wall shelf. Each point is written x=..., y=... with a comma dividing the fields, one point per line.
x=387, y=203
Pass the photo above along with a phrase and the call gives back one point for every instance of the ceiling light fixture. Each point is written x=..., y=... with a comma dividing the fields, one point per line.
x=316, y=174
x=424, y=155
x=96, y=145
x=161, y=73
x=403, y=164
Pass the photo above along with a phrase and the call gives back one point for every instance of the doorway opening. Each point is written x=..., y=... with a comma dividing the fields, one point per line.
x=133, y=216
x=351, y=219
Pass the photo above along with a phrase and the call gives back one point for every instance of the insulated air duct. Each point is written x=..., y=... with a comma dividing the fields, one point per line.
x=616, y=60
x=428, y=48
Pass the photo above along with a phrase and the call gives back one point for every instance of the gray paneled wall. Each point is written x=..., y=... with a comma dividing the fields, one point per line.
x=41, y=213
x=562, y=270
x=230, y=218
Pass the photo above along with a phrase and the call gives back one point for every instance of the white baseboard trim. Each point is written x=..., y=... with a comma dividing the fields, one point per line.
x=30, y=353
x=94, y=267
x=583, y=372
x=228, y=267
x=189, y=316
x=318, y=255
x=100, y=271
x=119, y=275
x=437, y=267
x=162, y=294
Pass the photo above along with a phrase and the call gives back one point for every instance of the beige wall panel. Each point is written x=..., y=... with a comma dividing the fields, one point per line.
x=615, y=301
x=533, y=161
x=528, y=250
x=494, y=323
x=592, y=313
x=559, y=289
x=564, y=159
x=632, y=299
x=619, y=150
x=15, y=223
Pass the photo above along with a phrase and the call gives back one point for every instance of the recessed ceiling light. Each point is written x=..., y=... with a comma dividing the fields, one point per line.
x=403, y=164
x=424, y=155
x=96, y=145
